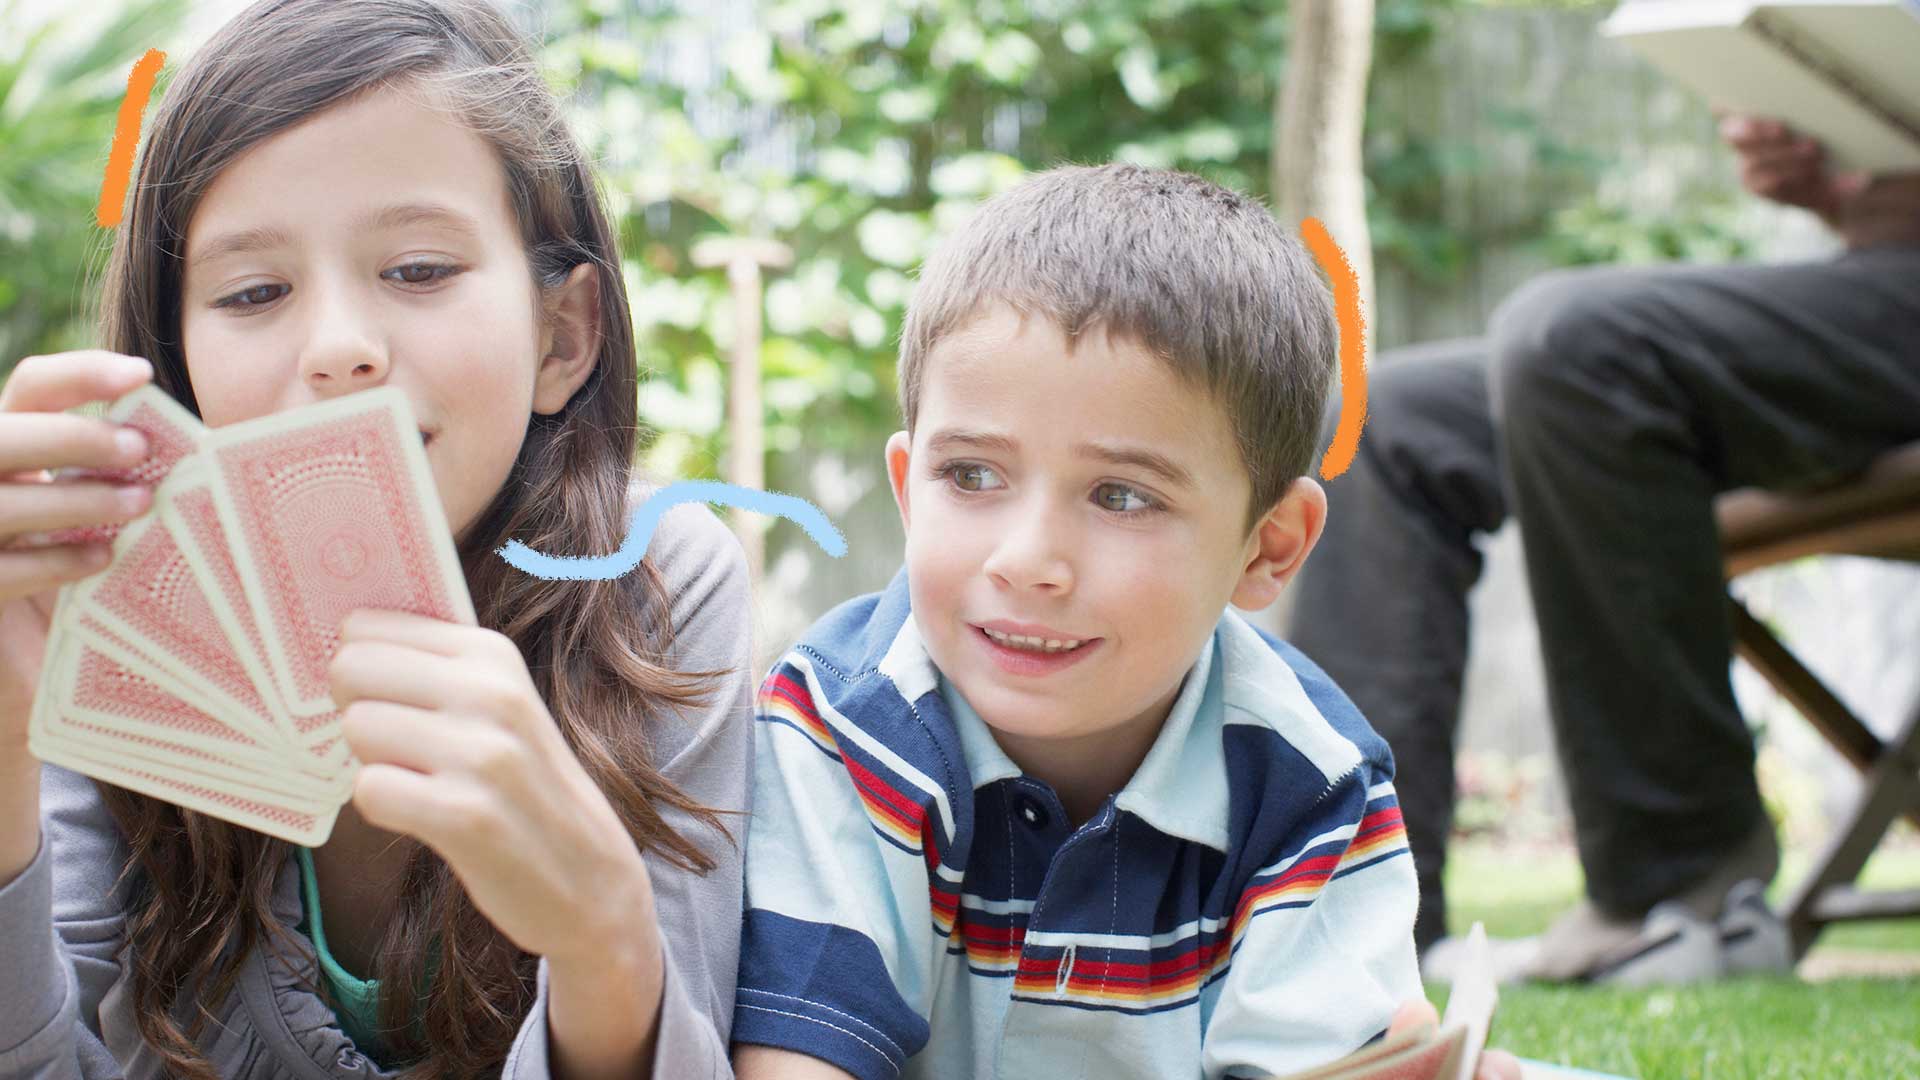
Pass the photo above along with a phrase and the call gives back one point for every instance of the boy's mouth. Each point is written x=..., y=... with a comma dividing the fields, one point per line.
x=1029, y=643
x=1025, y=650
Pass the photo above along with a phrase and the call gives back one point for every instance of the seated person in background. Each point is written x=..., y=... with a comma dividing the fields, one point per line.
x=1604, y=412
x=1045, y=807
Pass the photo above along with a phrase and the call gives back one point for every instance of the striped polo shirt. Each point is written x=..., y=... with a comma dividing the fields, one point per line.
x=917, y=907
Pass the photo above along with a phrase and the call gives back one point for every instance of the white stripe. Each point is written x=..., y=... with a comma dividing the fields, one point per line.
x=1379, y=790
x=1344, y=832
x=1262, y=690
x=847, y=731
x=996, y=907
x=796, y=1016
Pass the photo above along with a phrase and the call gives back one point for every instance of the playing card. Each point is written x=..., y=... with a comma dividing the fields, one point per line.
x=150, y=599
x=187, y=507
x=307, y=824
x=329, y=509
x=172, y=434
x=1471, y=1002
x=107, y=712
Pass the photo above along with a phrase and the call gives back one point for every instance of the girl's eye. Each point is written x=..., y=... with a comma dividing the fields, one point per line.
x=248, y=298
x=434, y=272
x=970, y=477
x=1122, y=499
x=414, y=273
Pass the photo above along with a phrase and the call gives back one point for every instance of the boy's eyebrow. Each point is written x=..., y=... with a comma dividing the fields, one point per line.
x=1140, y=458
x=397, y=216
x=979, y=440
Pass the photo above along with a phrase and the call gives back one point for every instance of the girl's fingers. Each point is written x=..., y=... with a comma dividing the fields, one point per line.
x=421, y=632
x=57, y=383
x=31, y=571
x=447, y=817
x=52, y=440
x=26, y=508
x=385, y=733
x=383, y=671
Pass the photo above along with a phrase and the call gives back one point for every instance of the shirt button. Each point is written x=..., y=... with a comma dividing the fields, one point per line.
x=1032, y=812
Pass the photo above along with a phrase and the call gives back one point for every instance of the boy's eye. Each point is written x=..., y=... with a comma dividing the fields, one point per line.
x=969, y=477
x=1121, y=499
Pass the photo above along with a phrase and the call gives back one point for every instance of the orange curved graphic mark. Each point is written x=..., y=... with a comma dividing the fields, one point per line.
x=1353, y=346
x=126, y=135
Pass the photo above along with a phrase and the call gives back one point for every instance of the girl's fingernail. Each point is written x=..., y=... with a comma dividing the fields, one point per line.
x=136, y=365
x=132, y=500
x=131, y=443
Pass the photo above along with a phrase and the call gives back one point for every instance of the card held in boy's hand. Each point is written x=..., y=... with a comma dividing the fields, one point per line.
x=1449, y=1052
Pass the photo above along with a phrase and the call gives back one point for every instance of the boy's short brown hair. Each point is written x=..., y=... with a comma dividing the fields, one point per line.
x=1203, y=276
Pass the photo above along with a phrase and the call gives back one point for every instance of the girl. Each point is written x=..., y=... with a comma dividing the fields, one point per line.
x=533, y=875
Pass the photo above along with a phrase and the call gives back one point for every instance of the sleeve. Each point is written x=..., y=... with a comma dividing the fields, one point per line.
x=709, y=757
x=62, y=922
x=839, y=936
x=1324, y=951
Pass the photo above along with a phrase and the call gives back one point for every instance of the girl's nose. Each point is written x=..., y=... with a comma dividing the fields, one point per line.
x=340, y=357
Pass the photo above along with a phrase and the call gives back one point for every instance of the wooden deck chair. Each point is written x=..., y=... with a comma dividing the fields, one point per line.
x=1876, y=515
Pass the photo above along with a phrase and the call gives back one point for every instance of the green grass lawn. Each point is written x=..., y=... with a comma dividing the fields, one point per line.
x=1739, y=1029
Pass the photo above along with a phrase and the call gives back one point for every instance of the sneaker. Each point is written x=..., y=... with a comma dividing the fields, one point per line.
x=1753, y=938
x=1577, y=942
x=1582, y=939
x=1509, y=958
x=1674, y=946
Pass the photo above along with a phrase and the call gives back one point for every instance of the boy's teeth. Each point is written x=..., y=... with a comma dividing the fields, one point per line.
x=1021, y=641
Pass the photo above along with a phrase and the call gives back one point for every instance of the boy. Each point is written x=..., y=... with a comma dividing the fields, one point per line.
x=1046, y=807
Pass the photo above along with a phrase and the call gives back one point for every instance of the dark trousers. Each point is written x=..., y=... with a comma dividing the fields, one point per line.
x=1604, y=411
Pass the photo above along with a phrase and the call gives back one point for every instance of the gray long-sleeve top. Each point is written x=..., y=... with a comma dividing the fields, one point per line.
x=66, y=1010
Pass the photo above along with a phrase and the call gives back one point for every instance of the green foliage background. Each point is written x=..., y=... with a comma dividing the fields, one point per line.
x=855, y=131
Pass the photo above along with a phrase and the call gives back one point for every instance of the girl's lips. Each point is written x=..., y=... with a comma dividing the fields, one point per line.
x=1032, y=662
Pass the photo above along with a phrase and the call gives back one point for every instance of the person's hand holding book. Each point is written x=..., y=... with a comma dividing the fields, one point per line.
x=1780, y=164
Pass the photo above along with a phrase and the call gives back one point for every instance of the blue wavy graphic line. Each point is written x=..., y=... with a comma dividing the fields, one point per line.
x=647, y=516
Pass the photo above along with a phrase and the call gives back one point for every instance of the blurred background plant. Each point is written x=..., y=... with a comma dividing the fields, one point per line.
x=61, y=83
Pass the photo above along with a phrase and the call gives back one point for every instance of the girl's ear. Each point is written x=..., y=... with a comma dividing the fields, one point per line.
x=898, y=460
x=569, y=340
x=1280, y=543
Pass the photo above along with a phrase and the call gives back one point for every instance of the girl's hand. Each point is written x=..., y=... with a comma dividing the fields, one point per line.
x=37, y=437
x=458, y=751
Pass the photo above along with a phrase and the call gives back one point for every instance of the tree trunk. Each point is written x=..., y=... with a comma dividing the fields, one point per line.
x=1317, y=120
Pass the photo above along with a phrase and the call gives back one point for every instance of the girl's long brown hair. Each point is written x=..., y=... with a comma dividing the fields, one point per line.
x=596, y=649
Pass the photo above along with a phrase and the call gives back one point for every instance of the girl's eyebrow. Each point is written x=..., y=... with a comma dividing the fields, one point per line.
x=396, y=216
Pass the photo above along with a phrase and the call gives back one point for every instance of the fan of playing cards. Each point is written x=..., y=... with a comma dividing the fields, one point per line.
x=194, y=668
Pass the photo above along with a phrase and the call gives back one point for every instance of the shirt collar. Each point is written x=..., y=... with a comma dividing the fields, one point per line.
x=1180, y=787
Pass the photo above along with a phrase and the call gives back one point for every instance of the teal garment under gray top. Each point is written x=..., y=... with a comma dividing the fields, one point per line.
x=65, y=1008
x=356, y=1001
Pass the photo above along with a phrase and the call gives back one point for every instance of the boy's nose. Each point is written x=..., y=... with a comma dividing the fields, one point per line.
x=1031, y=555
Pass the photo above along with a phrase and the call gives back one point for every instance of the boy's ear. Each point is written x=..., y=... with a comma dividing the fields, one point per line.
x=898, y=461
x=569, y=339
x=1280, y=543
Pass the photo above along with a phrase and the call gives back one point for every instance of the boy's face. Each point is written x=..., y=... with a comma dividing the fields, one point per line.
x=1076, y=523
